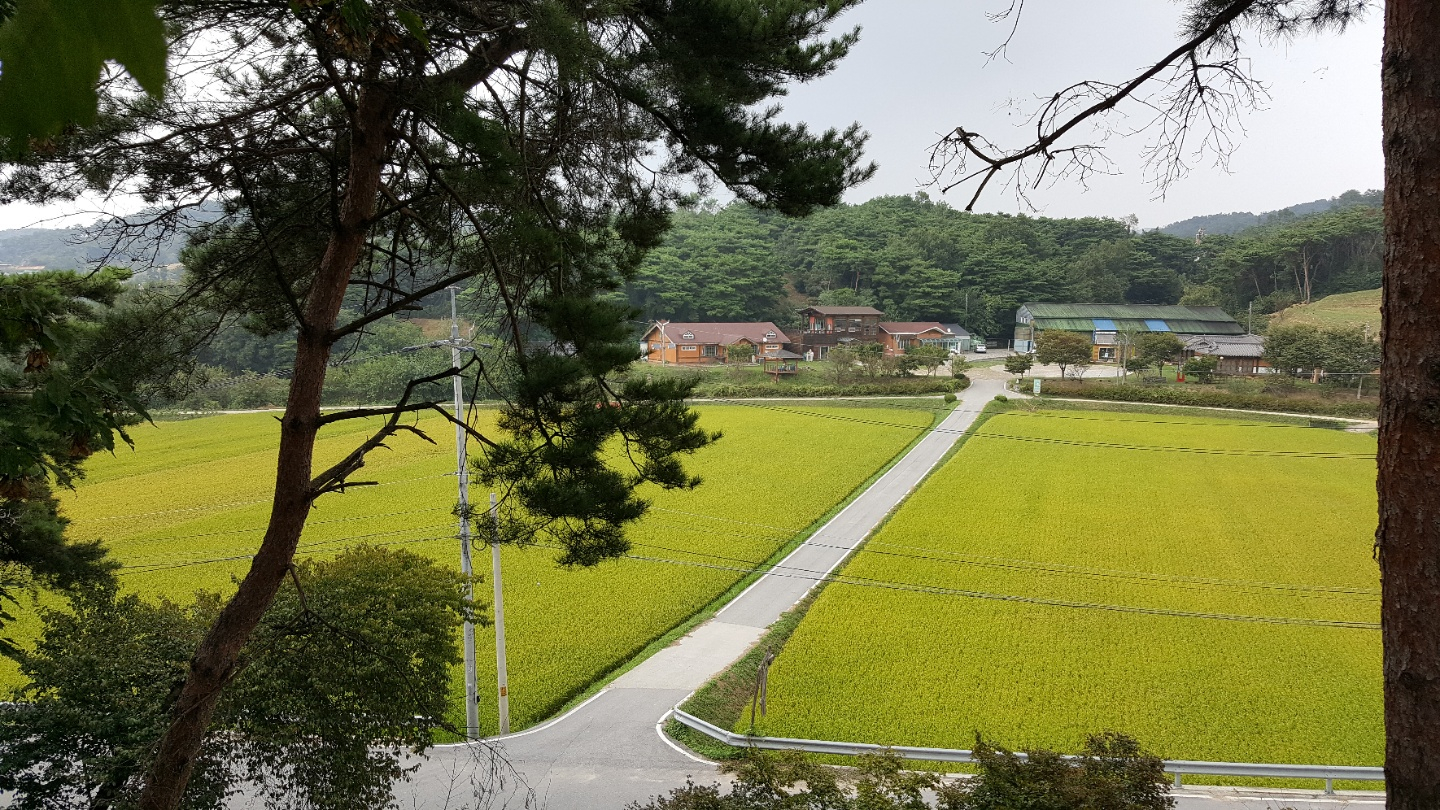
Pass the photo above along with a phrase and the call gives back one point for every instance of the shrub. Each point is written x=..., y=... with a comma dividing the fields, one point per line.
x=1019, y=364
x=949, y=397
x=1112, y=773
x=1001, y=398
x=1207, y=398
x=1201, y=368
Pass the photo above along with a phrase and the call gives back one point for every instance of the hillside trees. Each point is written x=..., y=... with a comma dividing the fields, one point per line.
x=385, y=151
x=918, y=259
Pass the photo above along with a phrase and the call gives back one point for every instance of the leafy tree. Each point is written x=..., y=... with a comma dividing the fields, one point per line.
x=1297, y=347
x=1059, y=348
x=928, y=357
x=341, y=682
x=740, y=353
x=1201, y=368
x=370, y=153
x=73, y=377
x=39, y=95
x=1156, y=349
x=1302, y=347
x=959, y=366
x=1019, y=364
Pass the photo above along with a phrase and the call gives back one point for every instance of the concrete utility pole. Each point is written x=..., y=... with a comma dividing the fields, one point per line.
x=457, y=345
x=503, y=677
x=462, y=473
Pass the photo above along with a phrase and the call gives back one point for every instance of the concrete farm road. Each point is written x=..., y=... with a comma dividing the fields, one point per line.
x=610, y=751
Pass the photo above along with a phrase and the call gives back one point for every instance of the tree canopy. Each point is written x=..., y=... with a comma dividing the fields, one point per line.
x=918, y=259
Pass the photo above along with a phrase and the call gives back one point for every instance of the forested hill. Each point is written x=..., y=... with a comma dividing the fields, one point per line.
x=917, y=259
x=1238, y=221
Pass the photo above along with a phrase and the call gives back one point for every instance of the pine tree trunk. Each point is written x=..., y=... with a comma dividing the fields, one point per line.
x=1408, y=538
x=216, y=659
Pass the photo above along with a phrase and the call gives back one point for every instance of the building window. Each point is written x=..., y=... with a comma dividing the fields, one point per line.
x=1107, y=354
x=687, y=348
x=711, y=350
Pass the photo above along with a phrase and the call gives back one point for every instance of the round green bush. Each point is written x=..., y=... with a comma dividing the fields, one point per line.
x=1001, y=398
x=949, y=397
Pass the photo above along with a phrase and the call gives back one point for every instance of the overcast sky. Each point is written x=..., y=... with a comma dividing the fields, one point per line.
x=920, y=70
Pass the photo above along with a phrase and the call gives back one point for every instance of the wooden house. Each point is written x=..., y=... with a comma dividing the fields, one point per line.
x=823, y=328
x=899, y=337
x=674, y=343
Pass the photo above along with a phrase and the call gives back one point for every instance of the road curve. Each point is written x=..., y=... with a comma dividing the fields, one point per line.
x=610, y=751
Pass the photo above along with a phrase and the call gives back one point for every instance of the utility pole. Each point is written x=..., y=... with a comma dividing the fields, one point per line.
x=462, y=473
x=1249, y=319
x=457, y=346
x=503, y=677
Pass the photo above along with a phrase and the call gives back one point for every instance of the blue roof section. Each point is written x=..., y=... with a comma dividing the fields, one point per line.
x=1156, y=325
x=1103, y=324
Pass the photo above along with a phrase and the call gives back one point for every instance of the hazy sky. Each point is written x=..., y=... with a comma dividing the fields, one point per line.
x=920, y=70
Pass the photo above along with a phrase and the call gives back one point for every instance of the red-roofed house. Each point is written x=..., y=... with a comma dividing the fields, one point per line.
x=899, y=336
x=694, y=343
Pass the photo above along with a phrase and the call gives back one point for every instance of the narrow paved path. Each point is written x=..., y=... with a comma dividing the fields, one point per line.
x=610, y=751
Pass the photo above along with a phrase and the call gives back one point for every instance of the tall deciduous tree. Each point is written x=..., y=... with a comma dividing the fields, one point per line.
x=370, y=153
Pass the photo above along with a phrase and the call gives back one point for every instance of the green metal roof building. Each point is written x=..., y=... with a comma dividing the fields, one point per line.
x=1103, y=321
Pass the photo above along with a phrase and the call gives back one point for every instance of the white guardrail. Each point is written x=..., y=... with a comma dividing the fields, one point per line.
x=1176, y=767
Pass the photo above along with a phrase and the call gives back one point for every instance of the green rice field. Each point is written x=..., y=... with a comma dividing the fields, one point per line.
x=186, y=508
x=1204, y=585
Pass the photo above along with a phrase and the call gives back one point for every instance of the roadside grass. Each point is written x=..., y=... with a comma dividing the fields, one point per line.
x=1277, y=536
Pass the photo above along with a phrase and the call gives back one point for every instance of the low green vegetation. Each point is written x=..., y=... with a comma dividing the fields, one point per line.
x=185, y=510
x=1206, y=585
x=1277, y=392
x=820, y=378
x=1353, y=310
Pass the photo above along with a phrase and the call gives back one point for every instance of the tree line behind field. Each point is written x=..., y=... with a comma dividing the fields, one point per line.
x=918, y=259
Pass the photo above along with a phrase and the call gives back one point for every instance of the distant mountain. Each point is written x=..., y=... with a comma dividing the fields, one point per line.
x=74, y=248
x=1238, y=221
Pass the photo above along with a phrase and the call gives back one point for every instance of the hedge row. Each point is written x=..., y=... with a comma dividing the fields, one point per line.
x=891, y=387
x=1207, y=398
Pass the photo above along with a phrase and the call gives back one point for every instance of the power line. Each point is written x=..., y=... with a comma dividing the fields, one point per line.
x=868, y=582
x=857, y=581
